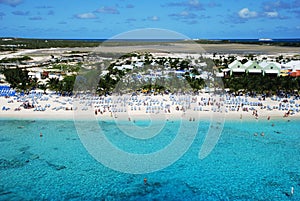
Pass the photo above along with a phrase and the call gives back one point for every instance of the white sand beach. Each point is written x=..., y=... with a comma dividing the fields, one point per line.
x=202, y=106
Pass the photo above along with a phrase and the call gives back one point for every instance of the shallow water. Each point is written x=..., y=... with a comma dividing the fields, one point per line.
x=242, y=166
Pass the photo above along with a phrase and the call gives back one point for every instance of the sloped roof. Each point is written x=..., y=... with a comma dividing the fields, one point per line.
x=235, y=63
x=263, y=64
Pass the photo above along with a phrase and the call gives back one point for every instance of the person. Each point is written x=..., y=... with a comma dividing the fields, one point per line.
x=287, y=114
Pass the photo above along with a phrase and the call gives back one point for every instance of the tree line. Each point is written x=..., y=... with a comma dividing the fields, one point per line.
x=20, y=80
x=260, y=84
x=254, y=84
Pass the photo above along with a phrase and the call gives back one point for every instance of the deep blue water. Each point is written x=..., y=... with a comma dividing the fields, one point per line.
x=290, y=40
x=242, y=166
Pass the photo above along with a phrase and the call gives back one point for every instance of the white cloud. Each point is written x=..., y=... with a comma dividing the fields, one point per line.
x=86, y=16
x=11, y=2
x=184, y=15
x=245, y=13
x=153, y=18
x=277, y=5
x=272, y=14
x=188, y=5
x=194, y=3
x=108, y=10
x=18, y=12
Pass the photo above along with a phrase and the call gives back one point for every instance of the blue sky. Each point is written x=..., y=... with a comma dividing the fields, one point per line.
x=207, y=19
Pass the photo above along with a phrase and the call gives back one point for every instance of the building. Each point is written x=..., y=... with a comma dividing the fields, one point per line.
x=270, y=68
x=236, y=68
x=253, y=67
x=265, y=68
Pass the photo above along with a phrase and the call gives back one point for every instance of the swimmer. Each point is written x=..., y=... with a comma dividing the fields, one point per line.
x=145, y=180
x=262, y=134
x=41, y=134
x=255, y=134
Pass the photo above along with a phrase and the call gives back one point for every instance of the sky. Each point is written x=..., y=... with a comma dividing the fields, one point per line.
x=98, y=19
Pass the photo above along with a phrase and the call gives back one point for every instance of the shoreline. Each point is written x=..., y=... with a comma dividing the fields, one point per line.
x=227, y=118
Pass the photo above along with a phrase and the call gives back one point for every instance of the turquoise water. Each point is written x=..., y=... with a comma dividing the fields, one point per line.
x=241, y=166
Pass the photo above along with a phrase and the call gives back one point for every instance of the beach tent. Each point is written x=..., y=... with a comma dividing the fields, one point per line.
x=284, y=73
x=6, y=91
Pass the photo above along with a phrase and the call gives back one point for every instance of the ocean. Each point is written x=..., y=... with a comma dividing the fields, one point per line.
x=236, y=40
x=242, y=166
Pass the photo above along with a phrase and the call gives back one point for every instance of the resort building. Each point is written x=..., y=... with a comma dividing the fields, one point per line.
x=252, y=67
x=270, y=68
x=265, y=68
x=236, y=68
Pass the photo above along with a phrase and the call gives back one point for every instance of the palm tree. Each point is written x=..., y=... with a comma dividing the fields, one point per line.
x=43, y=87
x=53, y=84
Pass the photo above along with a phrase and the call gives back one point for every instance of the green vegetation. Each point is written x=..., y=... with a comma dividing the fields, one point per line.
x=262, y=84
x=67, y=68
x=64, y=87
x=21, y=81
x=273, y=43
x=13, y=44
x=15, y=60
x=22, y=43
x=108, y=83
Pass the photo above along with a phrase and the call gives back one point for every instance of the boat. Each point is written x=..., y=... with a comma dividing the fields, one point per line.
x=265, y=39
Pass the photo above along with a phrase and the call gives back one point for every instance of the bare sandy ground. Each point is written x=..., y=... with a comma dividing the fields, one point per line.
x=190, y=47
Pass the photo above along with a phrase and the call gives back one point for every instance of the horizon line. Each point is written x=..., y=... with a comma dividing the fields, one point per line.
x=45, y=38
